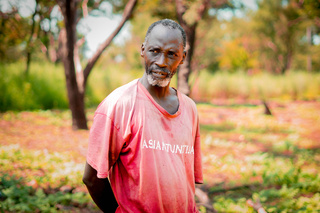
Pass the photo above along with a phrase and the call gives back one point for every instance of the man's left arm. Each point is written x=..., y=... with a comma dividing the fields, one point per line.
x=100, y=190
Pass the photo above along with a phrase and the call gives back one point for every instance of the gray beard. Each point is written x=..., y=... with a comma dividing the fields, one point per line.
x=158, y=82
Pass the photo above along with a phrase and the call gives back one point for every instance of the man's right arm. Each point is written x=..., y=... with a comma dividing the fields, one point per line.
x=100, y=190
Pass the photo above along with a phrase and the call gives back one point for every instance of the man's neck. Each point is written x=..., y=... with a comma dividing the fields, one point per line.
x=156, y=92
x=165, y=96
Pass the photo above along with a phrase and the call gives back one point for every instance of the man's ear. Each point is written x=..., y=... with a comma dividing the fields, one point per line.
x=142, y=50
x=183, y=57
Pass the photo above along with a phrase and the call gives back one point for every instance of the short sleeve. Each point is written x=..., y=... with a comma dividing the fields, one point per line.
x=111, y=128
x=198, y=157
x=105, y=144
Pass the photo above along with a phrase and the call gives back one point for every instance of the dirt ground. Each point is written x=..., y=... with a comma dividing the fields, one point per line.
x=52, y=130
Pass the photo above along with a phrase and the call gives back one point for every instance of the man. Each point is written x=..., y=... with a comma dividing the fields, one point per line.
x=145, y=136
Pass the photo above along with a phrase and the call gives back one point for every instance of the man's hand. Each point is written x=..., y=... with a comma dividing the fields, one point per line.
x=100, y=190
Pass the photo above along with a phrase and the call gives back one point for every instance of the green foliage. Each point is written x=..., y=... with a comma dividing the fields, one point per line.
x=18, y=197
x=14, y=31
x=44, y=88
x=235, y=57
x=35, y=185
x=285, y=187
x=278, y=29
x=53, y=168
x=248, y=155
x=296, y=85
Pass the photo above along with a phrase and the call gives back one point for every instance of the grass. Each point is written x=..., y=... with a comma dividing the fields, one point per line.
x=295, y=85
x=45, y=87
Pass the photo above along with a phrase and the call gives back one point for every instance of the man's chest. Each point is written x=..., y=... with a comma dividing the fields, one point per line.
x=152, y=125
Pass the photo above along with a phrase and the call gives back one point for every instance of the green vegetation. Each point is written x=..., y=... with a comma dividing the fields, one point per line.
x=249, y=155
x=246, y=155
x=45, y=88
x=286, y=184
x=295, y=85
x=38, y=181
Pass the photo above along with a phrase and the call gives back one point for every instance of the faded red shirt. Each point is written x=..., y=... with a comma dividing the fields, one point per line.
x=152, y=158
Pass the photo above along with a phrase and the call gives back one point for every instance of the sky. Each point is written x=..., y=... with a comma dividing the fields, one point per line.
x=97, y=29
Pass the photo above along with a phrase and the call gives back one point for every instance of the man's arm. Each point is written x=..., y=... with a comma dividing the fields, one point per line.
x=100, y=190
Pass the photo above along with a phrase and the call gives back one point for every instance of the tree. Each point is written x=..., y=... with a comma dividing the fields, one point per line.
x=76, y=79
x=188, y=17
x=24, y=33
x=278, y=25
x=13, y=31
x=189, y=13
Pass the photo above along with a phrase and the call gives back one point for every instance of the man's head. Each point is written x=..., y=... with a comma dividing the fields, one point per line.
x=163, y=51
x=171, y=25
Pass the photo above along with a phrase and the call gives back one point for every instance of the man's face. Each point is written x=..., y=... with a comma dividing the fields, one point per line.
x=163, y=53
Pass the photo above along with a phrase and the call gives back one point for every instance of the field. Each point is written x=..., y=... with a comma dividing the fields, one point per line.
x=247, y=155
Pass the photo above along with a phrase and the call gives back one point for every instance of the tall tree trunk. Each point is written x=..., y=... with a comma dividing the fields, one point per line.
x=185, y=68
x=29, y=47
x=309, y=56
x=76, y=79
x=190, y=29
x=288, y=56
x=67, y=39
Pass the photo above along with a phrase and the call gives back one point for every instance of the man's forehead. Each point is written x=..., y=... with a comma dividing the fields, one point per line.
x=161, y=32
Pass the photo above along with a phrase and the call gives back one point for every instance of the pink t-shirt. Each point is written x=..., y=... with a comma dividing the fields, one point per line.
x=152, y=158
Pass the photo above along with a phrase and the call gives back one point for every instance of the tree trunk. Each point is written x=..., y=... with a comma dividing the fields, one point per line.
x=29, y=47
x=67, y=42
x=52, y=50
x=126, y=15
x=185, y=68
x=190, y=29
x=76, y=79
x=287, y=58
x=309, y=56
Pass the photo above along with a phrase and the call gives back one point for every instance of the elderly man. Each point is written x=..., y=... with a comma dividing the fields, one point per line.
x=144, y=145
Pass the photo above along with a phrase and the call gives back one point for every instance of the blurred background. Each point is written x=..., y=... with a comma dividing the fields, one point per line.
x=253, y=69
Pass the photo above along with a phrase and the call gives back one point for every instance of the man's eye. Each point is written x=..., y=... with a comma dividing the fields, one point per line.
x=172, y=54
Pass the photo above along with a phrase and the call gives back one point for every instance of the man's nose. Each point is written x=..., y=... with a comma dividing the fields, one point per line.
x=161, y=61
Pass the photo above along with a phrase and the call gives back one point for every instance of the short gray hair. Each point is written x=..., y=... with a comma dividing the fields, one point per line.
x=169, y=24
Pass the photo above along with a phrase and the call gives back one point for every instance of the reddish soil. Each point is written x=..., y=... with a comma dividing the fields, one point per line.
x=34, y=131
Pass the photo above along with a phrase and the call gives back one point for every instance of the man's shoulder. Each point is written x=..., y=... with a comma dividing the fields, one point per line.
x=189, y=102
x=122, y=96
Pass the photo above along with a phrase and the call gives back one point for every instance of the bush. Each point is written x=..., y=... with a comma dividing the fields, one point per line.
x=43, y=88
x=296, y=85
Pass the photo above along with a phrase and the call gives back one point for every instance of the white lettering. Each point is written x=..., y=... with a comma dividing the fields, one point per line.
x=164, y=147
x=158, y=145
x=173, y=148
x=144, y=144
x=150, y=144
x=177, y=148
x=167, y=147
x=192, y=150
x=183, y=146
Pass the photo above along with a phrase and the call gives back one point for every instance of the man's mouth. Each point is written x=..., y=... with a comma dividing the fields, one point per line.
x=159, y=74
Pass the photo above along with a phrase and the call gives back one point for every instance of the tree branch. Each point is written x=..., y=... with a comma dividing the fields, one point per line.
x=126, y=15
